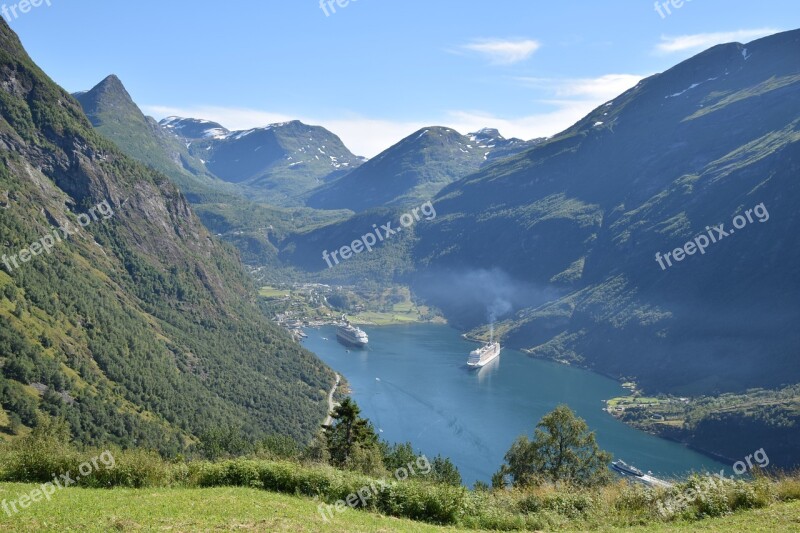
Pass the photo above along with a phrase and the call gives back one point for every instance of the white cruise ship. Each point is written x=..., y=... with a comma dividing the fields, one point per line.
x=484, y=355
x=350, y=335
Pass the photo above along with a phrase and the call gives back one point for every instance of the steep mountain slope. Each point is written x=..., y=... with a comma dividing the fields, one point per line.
x=115, y=115
x=139, y=328
x=282, y=160
x=585, y=213
x=415, y=169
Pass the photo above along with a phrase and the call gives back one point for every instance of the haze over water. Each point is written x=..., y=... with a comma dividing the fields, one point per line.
x=413, y=384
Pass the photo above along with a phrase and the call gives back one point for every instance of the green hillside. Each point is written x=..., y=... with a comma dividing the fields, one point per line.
x=139, y=329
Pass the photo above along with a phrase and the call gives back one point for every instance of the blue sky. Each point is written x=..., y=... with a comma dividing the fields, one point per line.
x=377, y=70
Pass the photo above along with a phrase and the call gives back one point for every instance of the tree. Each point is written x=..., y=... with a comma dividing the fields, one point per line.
x=562, y=450
x=398, y=455
x=317, y=450
x=347, y=432
x=444, y=471
x=279, y=447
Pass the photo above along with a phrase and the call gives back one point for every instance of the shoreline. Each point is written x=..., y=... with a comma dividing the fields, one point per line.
x=626, y=384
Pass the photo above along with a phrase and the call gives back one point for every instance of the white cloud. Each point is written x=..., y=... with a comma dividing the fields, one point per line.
x=504, y=52
x=598, y=90
x=568, y=100
x=701, y=41
x=563, y=103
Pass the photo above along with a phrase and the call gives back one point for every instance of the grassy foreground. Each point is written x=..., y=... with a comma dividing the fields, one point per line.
x=243, y=509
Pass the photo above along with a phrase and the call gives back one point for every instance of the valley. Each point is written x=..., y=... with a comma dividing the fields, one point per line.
x=567, y=297
x=180, y=245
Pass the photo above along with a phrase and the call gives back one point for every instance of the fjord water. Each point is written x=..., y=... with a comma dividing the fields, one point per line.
x=413, y=384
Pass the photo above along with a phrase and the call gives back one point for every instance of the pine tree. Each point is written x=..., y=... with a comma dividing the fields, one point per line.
x=348, y=431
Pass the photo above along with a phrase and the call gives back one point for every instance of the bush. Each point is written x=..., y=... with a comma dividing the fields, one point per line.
x=788, y=489
x=569, y=504
x=440, y=504
x=132, y=468
x=35, y=459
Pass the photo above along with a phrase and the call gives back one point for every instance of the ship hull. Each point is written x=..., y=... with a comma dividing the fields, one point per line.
x=484, y=360
x=481, y=364
x=350, y=342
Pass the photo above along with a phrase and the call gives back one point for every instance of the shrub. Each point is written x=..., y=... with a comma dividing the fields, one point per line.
x=440, y=504
x=38, y=461
x=571, y=505
x=132, y=468
x=788, y=488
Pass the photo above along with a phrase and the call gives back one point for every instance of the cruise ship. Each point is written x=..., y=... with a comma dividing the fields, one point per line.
x=625, y=469
x=350, y=335
x=634, y=474
x=484, y=354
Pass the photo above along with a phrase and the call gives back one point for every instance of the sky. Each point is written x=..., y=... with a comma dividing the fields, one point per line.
x=375, y=71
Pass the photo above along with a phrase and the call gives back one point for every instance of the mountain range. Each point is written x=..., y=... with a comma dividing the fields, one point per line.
x=415, y=169
x=282, y=160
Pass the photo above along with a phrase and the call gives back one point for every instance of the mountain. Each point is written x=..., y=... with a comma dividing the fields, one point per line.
x=565, y=235
x=113, y=113
x=499, y=146
x=193, y=128
x=415, y=169
x=231, y=211
x=130, y=321
x=558, y=243
x=281, y=161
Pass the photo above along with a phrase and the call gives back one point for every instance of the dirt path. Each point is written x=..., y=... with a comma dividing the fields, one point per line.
x=331, y=405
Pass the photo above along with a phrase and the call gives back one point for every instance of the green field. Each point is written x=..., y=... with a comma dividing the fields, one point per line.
x=379, y=307
x=242, y=509
x=271, y=292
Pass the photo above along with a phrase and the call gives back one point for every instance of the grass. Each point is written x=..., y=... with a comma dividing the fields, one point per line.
x=244, y=509
x=383, y=307
x=139, y=491
x=220, y=509
x=271, y=292
x=378, y=318
x=778, y=518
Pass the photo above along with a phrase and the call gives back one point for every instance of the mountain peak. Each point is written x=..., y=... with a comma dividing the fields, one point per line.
x=111, y=81
x=111, y=85
x=108, y=94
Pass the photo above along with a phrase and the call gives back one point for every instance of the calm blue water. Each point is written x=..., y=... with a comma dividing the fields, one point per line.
x=413, y=384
